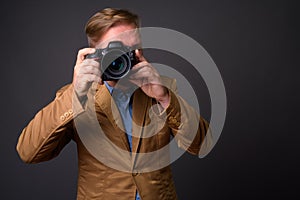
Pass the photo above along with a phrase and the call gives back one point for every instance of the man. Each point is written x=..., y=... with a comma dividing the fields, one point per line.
x=154, y=112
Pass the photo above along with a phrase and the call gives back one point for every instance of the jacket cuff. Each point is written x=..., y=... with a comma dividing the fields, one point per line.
x=76, y=107
x=170, y=114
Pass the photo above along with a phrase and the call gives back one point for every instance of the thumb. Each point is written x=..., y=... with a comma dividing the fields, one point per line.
x=82, y=53
x=139, y=55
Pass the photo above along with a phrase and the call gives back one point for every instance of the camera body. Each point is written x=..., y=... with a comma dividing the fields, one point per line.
x=115, y=60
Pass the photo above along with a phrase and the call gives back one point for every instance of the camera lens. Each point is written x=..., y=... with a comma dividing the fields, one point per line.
x=115, y=64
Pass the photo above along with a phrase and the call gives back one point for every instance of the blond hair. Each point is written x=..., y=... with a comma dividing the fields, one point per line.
x=100, y=22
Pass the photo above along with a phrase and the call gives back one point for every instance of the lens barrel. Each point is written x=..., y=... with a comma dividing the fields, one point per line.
x=115, y=64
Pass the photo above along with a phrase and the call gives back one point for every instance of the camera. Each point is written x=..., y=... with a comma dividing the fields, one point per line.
x=115, y=60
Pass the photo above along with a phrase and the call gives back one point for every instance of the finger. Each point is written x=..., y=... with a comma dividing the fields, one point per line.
x=89, y=62
x=90, y=70
x=140, y=74
x=137, y=82
x=82, y=53
x=87, y=65
x=140, y=65
x=93, y=75
x=144, y=71
x=89, y=78
x=144, y=78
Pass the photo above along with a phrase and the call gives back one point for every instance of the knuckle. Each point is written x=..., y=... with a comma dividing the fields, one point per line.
x=85, y=61
x=87, y=68
x=80, y=51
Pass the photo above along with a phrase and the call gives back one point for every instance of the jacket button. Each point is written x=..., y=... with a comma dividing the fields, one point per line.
x=70, y=111
x=62, y=118
x=172, y=120
x=66, y=114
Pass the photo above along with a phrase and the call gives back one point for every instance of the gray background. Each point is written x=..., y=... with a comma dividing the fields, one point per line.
x=255, y=46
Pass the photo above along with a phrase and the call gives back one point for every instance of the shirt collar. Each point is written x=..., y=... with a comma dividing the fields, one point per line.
x=129, y=92
x=110, y=88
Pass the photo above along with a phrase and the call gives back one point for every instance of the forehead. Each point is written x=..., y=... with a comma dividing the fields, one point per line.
x=126, y=33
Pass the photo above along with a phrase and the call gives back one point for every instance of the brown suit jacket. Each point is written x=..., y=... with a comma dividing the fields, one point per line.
x=55, y=125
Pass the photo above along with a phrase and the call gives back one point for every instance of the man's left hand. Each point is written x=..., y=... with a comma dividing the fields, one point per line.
x=145, y=76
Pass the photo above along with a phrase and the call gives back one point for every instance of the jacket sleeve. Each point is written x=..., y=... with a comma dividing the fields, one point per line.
x=50, y=130
x=190, y=130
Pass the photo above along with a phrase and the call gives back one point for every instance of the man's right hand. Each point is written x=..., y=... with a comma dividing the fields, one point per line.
x=86, y=71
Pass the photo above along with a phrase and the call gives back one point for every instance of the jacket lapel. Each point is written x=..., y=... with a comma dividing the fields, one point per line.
x=139, y=112
x=109, y=108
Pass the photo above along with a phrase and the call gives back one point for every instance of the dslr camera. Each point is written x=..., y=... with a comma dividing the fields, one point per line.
x=115, y=60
